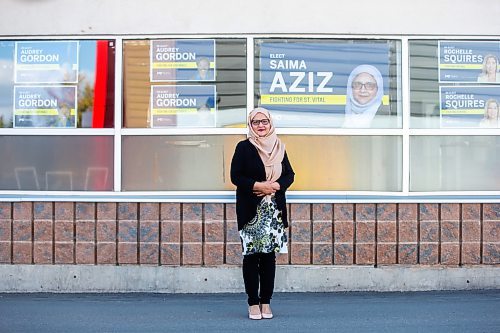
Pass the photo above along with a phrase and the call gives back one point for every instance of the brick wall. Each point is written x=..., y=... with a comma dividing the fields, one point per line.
x=206, y=234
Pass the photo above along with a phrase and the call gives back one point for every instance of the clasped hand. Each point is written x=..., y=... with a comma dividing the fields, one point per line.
x=261, y=189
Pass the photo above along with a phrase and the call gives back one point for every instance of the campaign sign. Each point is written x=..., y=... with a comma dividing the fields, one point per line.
x=45, y=106
x=312, y=77
x=46, y=62
x=183, y=106
x=465, y=106
x=469, y=61
x=182, y=60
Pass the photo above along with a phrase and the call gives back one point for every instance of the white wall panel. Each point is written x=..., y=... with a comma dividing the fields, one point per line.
x=54, y=17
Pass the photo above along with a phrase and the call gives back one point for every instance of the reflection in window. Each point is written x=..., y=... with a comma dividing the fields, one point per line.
x=454, y=163
x=330, y=163
x=329, y=83
x=57, y=84
x=177, y=163
x=345, y=163
x=157, y=93
x=56, y=163
x=424, y=84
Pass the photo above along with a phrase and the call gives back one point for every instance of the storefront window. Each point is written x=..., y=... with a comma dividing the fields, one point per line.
x=454, y=163
x=322, y=163
x=329, y=83
x=56, y=163
x=57, y=84
x=177, y=163
x=184, y=83
x=454, y=84
x=336, y=103
x=345, y=163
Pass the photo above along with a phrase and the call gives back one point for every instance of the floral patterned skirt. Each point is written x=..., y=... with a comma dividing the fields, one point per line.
x=265, y=233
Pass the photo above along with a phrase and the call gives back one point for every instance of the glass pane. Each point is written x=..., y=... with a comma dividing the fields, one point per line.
x=454, y=84
x=345, y=163
x=57, y=84
x=454, y=163
x=56, y=163
x=173, y=163
x=329, y=83
x=334, y=163
x=163, y=86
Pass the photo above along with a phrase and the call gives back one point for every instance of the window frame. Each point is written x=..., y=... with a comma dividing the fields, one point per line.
x=228, y=196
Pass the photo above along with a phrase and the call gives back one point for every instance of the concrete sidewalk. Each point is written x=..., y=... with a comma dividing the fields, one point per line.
x=457, y=311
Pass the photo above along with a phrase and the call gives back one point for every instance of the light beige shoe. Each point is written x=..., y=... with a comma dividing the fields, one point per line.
x=267, y=314
x=254, y=316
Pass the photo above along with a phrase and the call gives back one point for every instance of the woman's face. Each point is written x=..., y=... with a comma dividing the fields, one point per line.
x=261, y=125
x=203, y=67
x=491, y=65
x=492, y=110
x=65, y=111
x=364, y=88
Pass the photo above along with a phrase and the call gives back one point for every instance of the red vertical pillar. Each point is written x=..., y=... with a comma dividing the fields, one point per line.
x=101, y=84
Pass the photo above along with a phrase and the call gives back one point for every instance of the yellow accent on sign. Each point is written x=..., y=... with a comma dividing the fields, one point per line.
x=240, y=125
x=36, y=112
x=166, y=111
x=460, y=66
x=30, y=67
x=178, y=65
x=462, y=111
x=303, y=99
x=309, y=99
x=40, y=112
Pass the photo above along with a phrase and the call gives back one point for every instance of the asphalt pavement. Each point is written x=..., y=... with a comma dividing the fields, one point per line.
x=450, y=311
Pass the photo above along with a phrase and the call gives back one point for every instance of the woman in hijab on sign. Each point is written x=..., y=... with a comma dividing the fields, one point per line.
x=262, y=173
x=365, y=90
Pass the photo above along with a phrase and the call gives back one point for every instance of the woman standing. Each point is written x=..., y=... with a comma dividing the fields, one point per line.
x=262, y=173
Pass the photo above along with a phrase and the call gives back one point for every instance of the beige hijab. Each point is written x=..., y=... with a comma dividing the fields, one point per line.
x=271, y=149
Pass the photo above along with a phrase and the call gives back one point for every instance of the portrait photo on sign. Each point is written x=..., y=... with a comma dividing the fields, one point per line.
x=329, y=83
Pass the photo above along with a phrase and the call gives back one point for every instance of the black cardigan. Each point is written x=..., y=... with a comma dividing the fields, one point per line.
x=246, y=169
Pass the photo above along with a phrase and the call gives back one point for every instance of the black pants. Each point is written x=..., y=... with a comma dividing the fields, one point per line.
x=259, y=269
